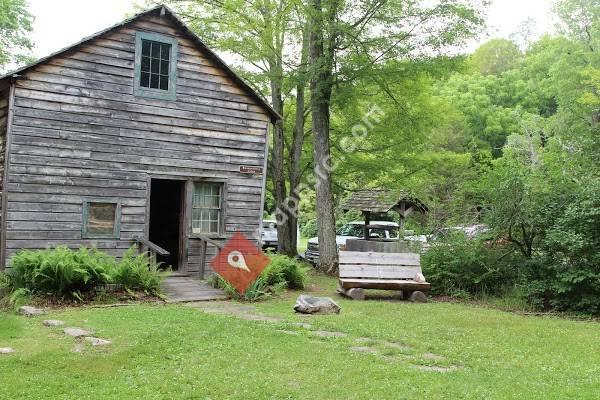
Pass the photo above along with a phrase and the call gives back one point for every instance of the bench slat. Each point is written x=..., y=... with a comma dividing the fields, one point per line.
x=383, y=284
x=379, y=271
x=357, y=257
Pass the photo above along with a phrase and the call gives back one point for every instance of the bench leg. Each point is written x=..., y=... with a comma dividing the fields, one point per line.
x=354, y=293
x=418, y=297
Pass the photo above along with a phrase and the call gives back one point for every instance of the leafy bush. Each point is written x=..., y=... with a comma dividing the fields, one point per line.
x=460, y=266
x=566, y=270
x=60, y=271
x=258, y=290
x=281, y=273
x=137, y=272
x=284, y=269
x=309, y=229
x=69, y=273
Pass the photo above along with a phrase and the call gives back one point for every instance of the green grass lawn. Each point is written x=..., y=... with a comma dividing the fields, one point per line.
x=178, y=352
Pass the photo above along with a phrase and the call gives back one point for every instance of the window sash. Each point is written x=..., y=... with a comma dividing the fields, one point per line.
x=155, y=66
x=206, y=207
x=92, y=225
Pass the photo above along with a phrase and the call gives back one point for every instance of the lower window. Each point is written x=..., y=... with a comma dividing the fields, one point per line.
x=206, y=207
x=101, y=218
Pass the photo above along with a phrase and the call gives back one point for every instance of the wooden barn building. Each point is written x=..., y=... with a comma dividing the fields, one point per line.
x=138, y=134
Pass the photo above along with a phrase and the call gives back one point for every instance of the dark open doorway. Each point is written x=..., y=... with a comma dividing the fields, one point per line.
x=165, y=218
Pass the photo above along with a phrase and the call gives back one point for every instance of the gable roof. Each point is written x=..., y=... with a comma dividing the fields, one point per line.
x=381, y=201
x=162, y=10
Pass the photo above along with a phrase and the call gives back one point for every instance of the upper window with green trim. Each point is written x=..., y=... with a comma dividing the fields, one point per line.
x=155, y=66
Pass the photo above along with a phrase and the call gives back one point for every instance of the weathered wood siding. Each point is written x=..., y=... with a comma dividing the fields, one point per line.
x=78, y=131
x=3, y=126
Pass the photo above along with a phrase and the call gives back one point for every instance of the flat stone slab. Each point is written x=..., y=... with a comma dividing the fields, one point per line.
x=302, y=325
x=30, y=311
x=53, y=322
x=433, y=368
x=329, y=334
x=97, y=341
x=7, y=350
x=363, y=349
x=432, y=356
x=395, y=345
x=258, y=317
x=77, y=332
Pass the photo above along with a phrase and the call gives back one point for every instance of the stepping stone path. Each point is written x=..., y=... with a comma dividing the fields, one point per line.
x=363, y=344
x=30, y=311
x=7, y=350
x=77, y=332
x=97, y=341
x=53, y=322
x=237, y=310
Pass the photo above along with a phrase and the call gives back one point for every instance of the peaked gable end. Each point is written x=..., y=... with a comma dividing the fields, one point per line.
x=115, y=47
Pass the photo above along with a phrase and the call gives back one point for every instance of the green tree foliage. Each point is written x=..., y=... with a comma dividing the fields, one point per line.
x=495, y=57
x=539, y=118
x=15, y=27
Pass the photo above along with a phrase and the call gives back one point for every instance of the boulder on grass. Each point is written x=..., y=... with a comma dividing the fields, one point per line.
x=316, y=305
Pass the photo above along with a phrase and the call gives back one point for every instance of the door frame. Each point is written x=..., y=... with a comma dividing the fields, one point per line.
x=182, y=261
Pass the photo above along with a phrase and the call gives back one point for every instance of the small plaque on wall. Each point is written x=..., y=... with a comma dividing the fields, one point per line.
x=248, y=169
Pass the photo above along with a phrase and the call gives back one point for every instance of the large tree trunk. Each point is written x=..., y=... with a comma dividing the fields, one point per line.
x=321, y=85
x=295, y=152
x=284, y=241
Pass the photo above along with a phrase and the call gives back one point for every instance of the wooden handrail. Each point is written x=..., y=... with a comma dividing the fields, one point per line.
x=151, y=246
x=208, y=240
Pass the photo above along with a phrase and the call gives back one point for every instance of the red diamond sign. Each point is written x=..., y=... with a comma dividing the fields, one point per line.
x=239, y=262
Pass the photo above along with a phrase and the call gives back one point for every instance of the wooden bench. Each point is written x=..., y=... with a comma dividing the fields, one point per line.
x=387, y=271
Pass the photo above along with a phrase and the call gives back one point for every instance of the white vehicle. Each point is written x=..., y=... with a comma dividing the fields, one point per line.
x=353, y=230
x=268, y=235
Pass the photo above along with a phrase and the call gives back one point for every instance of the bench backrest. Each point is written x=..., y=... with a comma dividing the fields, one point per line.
x=373, y=265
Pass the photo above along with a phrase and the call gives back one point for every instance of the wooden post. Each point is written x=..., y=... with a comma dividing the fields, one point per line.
x=401, y=222
x=367, y=215
x=203, y=248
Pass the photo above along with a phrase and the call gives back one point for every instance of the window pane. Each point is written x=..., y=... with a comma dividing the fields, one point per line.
x=101, y=218
x=145, y=67
x=164, y=82
x=154, y=65
x=145, y=47
x=154, y=81
x=155, y=52
x=165, y=53
x=206, y=212
x=164, y=68
x=145, y=79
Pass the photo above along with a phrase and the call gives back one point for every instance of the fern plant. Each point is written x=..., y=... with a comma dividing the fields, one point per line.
x=71, y=273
